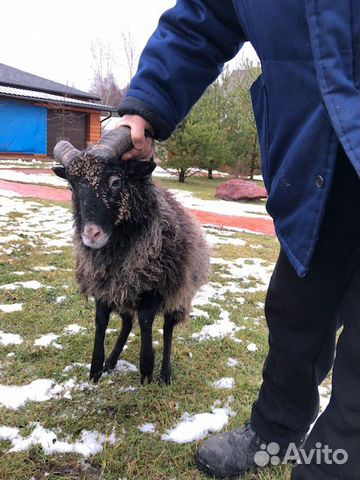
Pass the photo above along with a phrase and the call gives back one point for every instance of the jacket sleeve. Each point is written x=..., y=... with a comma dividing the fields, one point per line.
x=185, y=54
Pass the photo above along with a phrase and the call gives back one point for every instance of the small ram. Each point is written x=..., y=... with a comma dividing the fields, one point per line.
x=138, y=252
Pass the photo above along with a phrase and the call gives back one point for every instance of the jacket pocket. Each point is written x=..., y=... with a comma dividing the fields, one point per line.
x=260, y=107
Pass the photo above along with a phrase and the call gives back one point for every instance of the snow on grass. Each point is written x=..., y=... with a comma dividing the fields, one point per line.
x=9, y=238
x=48, y=226
x=247, y=269
x=198, y=426
x=90, y=442
x=218, y=240
x=232, y=362
x=195, y=312
x=74, y=329
x=10, y=338
x=124, y=366
x=32, y=284
x=252, y=347
x=224, y=382
x=11, y=307
x=221, y=207
x=147, y=428
x=213, y=292
x=40, y=390
x=68, y=368
x=49, y=268
x=60, y=299
x=36, y=178
x=220, y=329
x=48, y=340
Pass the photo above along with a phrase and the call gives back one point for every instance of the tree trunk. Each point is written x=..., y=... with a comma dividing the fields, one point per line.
x=210, y=173
x=182, y=176
x=253, y=158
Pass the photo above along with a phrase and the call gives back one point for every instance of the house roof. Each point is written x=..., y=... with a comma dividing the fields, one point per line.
x=50, y=98
x=14, y=77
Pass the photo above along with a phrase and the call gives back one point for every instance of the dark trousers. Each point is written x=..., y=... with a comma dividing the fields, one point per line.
x=303, y=316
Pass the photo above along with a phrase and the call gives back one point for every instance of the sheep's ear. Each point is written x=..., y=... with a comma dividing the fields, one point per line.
x=140, y=168
x=60, y=171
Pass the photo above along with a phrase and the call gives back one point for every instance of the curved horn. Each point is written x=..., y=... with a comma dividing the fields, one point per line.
x=113, y=143
x=64, y=152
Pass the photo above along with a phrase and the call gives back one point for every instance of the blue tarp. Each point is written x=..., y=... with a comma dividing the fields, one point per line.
x=23, y=128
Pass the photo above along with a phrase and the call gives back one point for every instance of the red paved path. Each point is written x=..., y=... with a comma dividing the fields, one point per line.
x=258, y=225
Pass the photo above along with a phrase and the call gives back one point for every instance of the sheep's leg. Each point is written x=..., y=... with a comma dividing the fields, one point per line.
x=169, y=323
x=101, y=320
x=127, y=322
x=146, y=315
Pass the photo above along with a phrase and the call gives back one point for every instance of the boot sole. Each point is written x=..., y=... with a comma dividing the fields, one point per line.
x=206, y=469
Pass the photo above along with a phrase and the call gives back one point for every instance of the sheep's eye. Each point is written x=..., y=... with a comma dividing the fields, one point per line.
x=114, y=182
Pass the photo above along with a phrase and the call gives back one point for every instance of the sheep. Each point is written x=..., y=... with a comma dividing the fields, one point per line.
x=137, y=250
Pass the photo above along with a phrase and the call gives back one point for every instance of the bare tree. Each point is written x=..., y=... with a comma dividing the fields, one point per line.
x=130, y=51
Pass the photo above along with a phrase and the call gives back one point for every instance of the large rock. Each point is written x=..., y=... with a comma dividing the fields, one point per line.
x=239, y=189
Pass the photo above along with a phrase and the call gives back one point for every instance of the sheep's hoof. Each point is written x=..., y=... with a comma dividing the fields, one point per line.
x=95, y=376
x=109, y=365
x=144, y=376
x=165, y=380
x=165, y=375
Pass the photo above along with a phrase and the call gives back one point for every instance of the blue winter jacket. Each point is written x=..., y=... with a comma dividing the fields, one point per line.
x=306, y=102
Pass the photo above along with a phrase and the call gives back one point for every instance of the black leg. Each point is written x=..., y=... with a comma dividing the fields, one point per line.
x=127, y=322
x=101, y=321
x=169, y=323
x=146, y=314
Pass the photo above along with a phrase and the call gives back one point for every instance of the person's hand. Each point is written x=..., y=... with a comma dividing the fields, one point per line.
x=143, y=146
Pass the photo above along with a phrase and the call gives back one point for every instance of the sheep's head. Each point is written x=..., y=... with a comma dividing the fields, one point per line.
x=108, y=193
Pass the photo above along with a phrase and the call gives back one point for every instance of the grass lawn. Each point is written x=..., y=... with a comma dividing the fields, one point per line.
x=119, y=405
x=201, y=187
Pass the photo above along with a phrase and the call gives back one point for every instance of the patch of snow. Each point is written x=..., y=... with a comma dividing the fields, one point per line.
x=90, y=442
x=49, y=268
x=147, y=428
x=252, y=347
x=124, y=366
x=232, y=362
x=243, y=209
x=35, y=223
x=9, y=238
x=10, y=338
x=220, y=329
x=217, y=240
x=68, y=368
x=19, y=274
x=32, y=284
x=195, y=312
x=60, y=299
x=11, y=354
x=40, y=390
x=11, y=307
x=74, y=329
x=48, y=340
x=196, y=427
x=225, y=382
x=35, y=178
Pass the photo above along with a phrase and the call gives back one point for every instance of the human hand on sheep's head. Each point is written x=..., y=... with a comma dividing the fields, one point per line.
x=143, y=145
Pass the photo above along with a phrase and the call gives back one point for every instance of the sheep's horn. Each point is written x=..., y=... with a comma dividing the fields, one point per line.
x=64, y=152
x=113, y=143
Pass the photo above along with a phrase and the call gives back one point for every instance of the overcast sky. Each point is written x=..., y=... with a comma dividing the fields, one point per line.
x=53, y=38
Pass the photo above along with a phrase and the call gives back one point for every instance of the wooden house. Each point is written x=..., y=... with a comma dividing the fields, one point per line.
x=35, y=113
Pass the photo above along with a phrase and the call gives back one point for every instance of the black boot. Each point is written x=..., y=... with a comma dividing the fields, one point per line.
x=230, y=454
